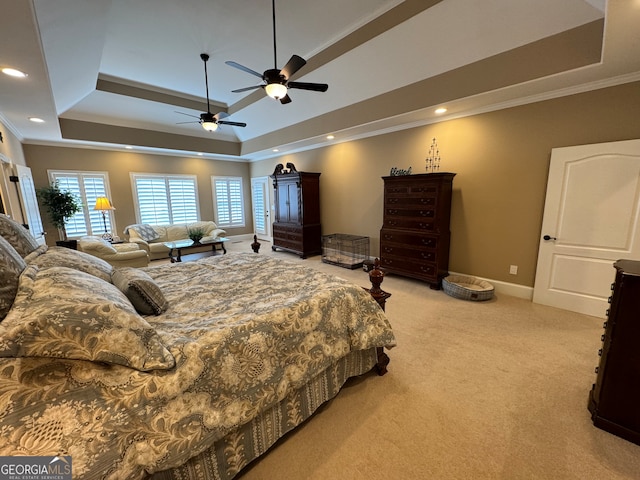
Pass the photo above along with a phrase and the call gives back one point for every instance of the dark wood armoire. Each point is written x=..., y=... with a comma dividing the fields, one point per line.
x=296, y=227
x=414, y=240
x=614, y=400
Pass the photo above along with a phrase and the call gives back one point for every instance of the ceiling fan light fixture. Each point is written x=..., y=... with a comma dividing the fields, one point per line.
x=209, y=126
x=276, y=90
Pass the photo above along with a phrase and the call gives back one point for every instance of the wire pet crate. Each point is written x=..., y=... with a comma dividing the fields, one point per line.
x=348, y=251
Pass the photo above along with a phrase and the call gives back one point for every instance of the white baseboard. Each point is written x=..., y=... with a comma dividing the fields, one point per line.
x=512, y=289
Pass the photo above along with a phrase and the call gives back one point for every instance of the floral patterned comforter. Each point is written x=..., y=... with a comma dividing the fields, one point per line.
x=245, y=331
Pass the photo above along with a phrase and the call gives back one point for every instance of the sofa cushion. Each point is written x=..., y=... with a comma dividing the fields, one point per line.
x=11, y=266
x=145, y=232
x=177, y=232
x=141, y=290
x=18, y=236
x=96, y=245
x=62, y=313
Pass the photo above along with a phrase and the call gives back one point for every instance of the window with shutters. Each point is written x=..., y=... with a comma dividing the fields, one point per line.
x=228, y=201
x=87, y=187
x=165, y=199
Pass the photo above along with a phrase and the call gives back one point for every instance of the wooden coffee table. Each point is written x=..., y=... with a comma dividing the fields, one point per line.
x=177, y=248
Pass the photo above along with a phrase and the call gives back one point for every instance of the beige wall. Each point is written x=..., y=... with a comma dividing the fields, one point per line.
x=501, y=160
x=118, y=165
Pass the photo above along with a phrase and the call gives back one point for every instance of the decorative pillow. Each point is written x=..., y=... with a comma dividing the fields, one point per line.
x=11, y=266
x=146, y=232
x=141, y=290
x=18, y=236
x=63, y=313
x=66, y=257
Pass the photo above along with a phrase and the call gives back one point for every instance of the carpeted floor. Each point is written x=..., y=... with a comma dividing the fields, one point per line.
x=475, y=390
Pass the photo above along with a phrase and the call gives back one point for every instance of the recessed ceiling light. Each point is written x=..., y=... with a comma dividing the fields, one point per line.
x=330, y=137
x=200, y=154
x=36, y=120
x=441, y=110
x=129, y=147
x=13, y=72
x=275, y=150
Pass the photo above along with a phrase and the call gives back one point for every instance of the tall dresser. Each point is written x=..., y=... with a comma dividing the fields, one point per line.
x=297, y=212
x=614, y=400
x=414, y=240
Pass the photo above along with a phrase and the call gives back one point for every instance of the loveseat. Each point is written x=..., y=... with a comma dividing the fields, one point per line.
x=151, y=238
x=118, y=255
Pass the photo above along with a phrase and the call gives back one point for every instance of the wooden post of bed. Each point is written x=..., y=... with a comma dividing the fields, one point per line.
x=376, y=276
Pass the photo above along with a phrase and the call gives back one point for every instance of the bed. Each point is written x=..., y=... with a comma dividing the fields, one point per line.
x=176, y=371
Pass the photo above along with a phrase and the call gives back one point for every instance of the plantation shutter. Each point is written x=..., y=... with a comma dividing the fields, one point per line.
x=165, y=200
x=229, y=202
x=86, y=187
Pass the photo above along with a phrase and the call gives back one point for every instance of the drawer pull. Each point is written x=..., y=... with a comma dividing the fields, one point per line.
x=600, y=352
x=597, y=369
x=603, y=337
x=609, y=300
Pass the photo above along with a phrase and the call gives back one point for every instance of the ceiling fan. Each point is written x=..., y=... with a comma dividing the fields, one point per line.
x=209, y=121
x=276, y=82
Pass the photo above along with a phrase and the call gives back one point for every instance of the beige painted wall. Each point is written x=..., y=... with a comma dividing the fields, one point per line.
x=501, y=160
x=119, y=165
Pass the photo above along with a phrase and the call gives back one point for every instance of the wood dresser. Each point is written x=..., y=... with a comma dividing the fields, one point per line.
x=614, y=400
x=297, y=212
x=414, y=240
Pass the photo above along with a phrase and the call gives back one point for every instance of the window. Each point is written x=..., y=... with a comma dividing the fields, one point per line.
x=228, y=201
x=87, y=187
x=165, y=199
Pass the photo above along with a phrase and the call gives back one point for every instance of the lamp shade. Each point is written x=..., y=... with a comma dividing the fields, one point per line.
x=102, y=203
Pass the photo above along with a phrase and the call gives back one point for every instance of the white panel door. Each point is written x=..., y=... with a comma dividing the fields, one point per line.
x=590, y=221
x=30, y=203
x=260, y=204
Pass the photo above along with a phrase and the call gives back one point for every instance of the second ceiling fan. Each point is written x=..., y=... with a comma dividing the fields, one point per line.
x=276, y=82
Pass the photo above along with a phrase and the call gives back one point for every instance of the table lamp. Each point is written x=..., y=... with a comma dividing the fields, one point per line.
x=103, y=204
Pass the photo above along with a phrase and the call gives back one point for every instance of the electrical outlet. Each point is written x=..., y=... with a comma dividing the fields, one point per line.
x=513, y=270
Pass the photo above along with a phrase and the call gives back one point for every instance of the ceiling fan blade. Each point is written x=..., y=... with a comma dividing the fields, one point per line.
x=246, y=89
x=316, y=87
x=235, y=124
x=243, y=68
x=220, y=115
x=182, y=123
x=294, y=64
x=286, y=99
x=188, y=115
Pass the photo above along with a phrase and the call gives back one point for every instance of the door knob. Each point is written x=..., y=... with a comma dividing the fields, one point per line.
x=547, y=237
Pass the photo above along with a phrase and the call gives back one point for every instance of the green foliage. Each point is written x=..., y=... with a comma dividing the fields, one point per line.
x=196, y=233
x=60, y=204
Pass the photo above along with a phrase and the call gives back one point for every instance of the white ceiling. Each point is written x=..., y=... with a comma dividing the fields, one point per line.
x=82, y=57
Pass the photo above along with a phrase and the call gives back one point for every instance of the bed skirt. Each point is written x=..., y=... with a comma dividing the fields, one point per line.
x=228, y=456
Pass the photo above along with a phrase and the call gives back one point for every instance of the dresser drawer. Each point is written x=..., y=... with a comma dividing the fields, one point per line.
x=410, y=240
x=409, y=201
x=410, y=190
x=421, y=255
x=408, y=267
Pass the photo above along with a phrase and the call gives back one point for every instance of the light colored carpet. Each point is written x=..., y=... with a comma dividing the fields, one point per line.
x=475, y=390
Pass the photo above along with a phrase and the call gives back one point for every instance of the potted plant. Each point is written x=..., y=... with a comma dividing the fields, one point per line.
x=196, y=234
x=61, y=205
